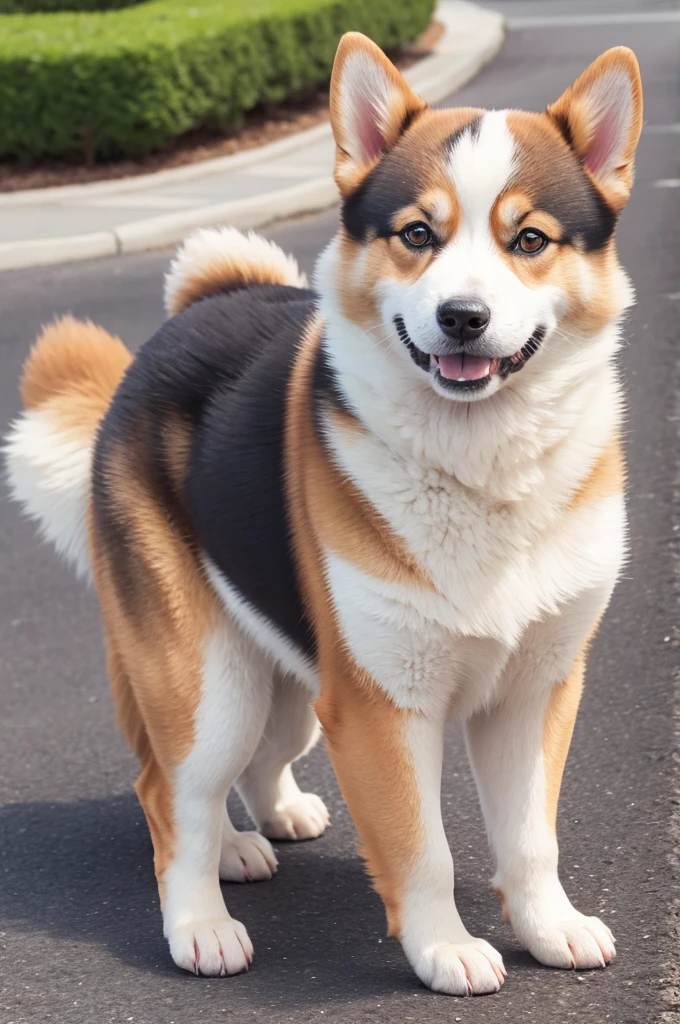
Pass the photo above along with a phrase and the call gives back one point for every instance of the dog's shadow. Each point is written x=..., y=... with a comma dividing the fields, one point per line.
x=83, y=871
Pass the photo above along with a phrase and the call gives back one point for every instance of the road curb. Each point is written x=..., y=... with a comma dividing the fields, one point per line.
x=307, y=197
x=472, y=38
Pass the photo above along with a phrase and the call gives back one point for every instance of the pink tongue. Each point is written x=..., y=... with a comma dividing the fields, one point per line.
x=468, y=367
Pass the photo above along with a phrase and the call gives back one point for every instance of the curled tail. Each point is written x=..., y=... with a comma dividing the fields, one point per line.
x=67, y=385
x=74, y=369
x=219, y=259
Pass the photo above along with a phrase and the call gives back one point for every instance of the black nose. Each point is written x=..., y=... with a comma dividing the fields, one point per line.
x=463, y=319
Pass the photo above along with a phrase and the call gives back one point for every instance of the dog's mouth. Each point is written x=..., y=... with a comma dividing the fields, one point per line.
x=463, y=372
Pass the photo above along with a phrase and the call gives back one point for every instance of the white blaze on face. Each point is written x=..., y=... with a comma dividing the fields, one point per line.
x=481, y=164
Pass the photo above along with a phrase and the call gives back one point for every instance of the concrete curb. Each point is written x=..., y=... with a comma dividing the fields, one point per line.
x=308, y=197
x=472, y=38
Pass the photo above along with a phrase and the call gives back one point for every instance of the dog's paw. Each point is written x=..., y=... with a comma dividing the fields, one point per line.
x=246, y=857
x=576, y=941
x=305, y=818
x=212, y=948
x=468, y=968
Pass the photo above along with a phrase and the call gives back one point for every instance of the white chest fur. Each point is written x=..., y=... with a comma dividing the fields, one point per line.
x=497, y=567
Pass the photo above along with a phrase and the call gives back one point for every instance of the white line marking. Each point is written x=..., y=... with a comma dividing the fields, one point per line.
x=667, y=183
x=583, y=20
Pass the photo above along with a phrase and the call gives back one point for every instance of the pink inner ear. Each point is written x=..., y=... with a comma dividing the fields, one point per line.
x=610, y=103
x=370, y=138
x=605, y=146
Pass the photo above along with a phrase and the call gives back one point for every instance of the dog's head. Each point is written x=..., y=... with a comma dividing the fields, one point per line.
x=473, y=242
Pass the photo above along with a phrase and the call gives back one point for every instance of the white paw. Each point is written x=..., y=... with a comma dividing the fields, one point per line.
x=577, y=941
x=469, y=968
x=306, y=818
x=246, y=857
x=211, y=948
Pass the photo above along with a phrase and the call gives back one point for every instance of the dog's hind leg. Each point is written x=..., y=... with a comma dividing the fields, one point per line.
x=184, y=801
x=228, y=722
x=267, y=786
x=193, y=697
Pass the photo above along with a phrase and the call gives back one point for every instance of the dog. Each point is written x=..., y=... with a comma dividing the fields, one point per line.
x=377, y=505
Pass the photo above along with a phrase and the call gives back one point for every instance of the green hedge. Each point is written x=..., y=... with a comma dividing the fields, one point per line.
x=125, y=82
x=33, y=6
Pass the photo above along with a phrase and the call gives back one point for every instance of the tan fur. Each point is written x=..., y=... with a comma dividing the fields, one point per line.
x=345, y=523
x=73, y=370
x=501, y=896
x=155, y=639
x=177, y=449
x=513, y=211
x=558, y=727
x=557, y=732
x=223, y=271
x=154, y=792
x=364, y=730
x=161, y=624
x=607, y=477
x=571, y=110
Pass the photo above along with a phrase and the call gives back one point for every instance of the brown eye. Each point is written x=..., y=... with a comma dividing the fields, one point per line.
x=417, y=235
x=530, y=242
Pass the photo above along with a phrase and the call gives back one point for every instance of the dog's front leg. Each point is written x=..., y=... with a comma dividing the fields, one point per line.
x=518, y=749
x=388, y=761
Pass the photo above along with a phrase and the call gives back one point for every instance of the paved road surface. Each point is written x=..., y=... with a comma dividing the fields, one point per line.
x=80, y=931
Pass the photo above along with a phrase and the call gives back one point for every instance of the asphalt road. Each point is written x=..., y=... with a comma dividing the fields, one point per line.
x=80, y=930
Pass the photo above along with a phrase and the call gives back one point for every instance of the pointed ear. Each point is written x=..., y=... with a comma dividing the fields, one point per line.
x=601, y=118
x=371, y=105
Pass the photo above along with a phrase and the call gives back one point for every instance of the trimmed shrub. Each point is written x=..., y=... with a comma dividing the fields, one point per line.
x=34, y=6
x=123, y=83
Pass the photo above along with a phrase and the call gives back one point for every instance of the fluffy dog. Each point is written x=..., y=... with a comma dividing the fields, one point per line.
x=387, y=502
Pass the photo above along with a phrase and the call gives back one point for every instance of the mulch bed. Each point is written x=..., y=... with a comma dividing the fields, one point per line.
x=262, y=125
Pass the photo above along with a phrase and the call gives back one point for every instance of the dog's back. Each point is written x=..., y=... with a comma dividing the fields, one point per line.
x=198, y=425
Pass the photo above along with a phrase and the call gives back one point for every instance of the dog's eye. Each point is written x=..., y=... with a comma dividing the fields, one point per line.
x=417, y=235
x=530, y=242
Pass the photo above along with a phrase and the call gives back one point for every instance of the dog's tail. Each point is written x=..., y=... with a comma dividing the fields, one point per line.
x=67, y=385
x=221, y=259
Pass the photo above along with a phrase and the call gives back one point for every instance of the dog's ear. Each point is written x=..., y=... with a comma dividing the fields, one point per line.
x=371, y=105
x=600, y=116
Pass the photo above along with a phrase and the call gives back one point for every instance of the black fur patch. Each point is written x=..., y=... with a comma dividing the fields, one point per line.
x=409, y=118
x=223, y=366
x=552, y=175
x=392, y=184
x=585, y=216
x=326, y=387
x=562, y=122
x=472, y=128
